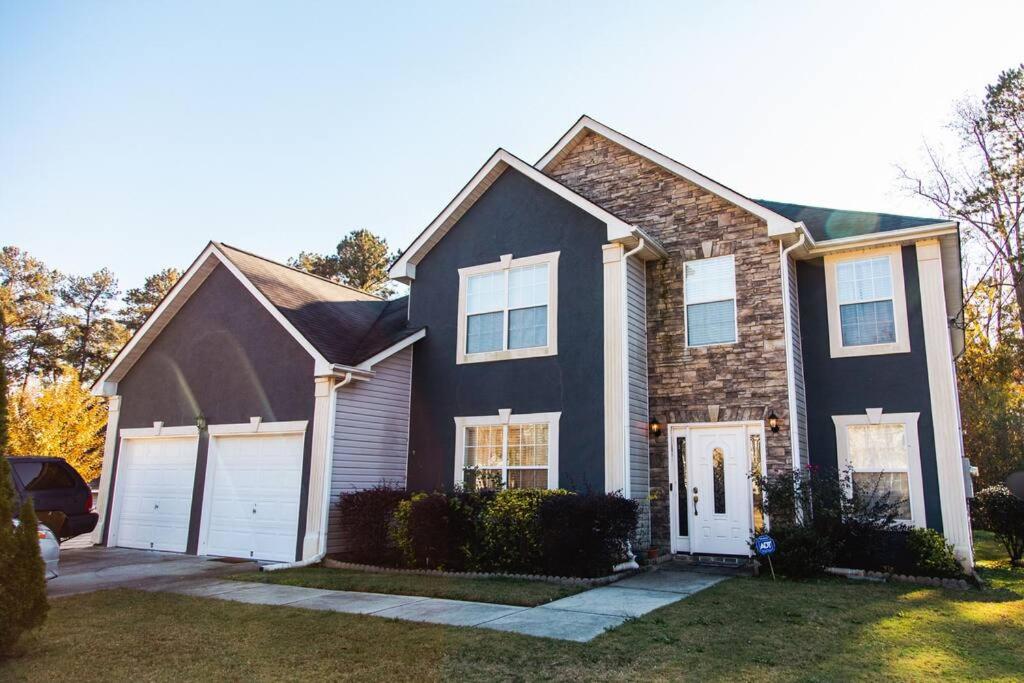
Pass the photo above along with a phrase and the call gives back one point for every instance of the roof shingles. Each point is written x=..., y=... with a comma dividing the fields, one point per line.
x=345, y=325
x=831, y=224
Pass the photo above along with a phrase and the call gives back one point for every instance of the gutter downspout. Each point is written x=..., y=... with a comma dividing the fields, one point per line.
x=788, y=327
x=328, y=467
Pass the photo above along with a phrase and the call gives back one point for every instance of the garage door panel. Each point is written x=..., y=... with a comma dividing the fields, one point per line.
x=253, y=508
x=154, y=491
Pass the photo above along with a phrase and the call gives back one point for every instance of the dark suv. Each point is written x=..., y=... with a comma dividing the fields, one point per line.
x=62, y=499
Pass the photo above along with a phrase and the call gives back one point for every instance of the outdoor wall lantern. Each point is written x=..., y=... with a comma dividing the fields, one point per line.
x=655, y=428
x=201, y=422
x=773, y=422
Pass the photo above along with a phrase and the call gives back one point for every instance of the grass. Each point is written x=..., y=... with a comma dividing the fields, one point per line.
x=505, y=591
x=739, y=630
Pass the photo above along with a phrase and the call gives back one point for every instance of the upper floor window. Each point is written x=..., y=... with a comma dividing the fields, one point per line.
x=710, y=292
x=867, y=305
x=508, y=309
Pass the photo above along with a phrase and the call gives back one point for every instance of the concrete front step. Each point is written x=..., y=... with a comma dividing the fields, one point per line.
x=725, y=565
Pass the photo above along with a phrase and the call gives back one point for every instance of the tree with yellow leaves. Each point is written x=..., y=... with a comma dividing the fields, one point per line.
x=60, y=419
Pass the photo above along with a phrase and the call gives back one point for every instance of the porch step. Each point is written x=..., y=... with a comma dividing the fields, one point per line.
x=730, y=565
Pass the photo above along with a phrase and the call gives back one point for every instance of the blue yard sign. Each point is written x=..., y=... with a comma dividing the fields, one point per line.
x=764, y=544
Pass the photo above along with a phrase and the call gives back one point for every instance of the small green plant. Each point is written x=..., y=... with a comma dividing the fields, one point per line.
x=932, y=556
x=23, y=604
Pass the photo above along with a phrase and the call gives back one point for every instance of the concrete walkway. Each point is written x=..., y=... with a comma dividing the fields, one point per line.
x=579, y=618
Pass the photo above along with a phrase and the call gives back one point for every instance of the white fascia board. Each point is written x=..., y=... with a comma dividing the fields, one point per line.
x=879, y=238
x=104, y=386
x=200, y=268
x=392, y=350
x=404, y=269
x=778, y=224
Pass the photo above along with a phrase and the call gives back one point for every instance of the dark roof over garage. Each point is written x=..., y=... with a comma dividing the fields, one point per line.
x=830, y=224
x=347, y=326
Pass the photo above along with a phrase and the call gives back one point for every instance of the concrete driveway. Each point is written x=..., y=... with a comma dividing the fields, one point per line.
x=83, y=570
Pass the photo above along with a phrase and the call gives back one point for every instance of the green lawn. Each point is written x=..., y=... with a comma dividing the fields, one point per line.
x=741, y=629
x=500, y=590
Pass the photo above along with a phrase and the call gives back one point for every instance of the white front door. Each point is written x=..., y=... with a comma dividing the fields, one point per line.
x=710, y=498
x=153, y=493
x=252, y=496
x=720, y=491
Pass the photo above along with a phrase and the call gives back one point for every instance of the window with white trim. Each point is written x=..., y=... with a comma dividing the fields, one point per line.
x=710, y=295
x=508, y=309
x=884, y=460
x=867, y=303
x=519, y=453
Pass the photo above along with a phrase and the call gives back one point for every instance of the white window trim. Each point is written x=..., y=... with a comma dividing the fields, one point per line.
x=506, y=263
x=899, y=304
x=874, y=416
x=503, y=419
x=735, y=307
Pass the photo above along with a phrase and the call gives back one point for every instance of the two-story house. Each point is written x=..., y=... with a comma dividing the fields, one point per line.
x=605, y=319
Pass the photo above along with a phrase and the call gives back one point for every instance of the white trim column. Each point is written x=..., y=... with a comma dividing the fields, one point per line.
x=319, y=460
x=615, y=460
x=107, y=469
x=944, y=401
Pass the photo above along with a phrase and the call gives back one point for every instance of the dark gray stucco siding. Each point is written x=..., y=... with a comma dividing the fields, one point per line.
x=223, y=356
x=519, y=217
x=897, y=383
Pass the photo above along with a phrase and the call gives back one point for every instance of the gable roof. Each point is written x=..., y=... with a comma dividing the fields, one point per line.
x=778, y=224
x=336, y=324
x=825, y=224
x=404, y=269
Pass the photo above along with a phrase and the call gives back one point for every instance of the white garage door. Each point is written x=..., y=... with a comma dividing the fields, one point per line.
x=153, y=496
x=253, y=488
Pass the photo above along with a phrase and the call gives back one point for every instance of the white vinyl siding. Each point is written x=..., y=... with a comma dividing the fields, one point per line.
x=710, y=293
x=371, y=434
x=798, y=363
x=639, y=415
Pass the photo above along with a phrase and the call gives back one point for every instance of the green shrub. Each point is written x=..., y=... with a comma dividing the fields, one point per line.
x=365, y=521
x=511, y=527
x=438, y=531
x=999, y=511
x=931, y=555
x=585, y=535
x=800, y=551
x=23, y=603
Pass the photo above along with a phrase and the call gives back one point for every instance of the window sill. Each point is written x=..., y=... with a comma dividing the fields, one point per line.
x=508, y=354
x=870, y=350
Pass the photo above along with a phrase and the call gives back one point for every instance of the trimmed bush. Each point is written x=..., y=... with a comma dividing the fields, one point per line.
x=23, y=603
x=436, y=531
x=366, y=518
x=512, y=530
x=585, y=535
x=800, y=552
x=999, y=511
x=932, y=556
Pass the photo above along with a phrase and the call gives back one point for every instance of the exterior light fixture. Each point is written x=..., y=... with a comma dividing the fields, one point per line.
x=655, y=428
x=201, y=422
x=773, y=422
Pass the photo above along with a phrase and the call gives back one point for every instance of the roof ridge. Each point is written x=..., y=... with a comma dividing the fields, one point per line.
x=870, y=213
x=297, y=270
x=383, y=310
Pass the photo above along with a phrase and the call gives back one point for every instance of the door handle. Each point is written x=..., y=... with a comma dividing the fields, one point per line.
x=156, y=506
x=696, y=497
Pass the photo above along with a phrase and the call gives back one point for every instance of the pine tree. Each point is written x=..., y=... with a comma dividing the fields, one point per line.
x=23, y=603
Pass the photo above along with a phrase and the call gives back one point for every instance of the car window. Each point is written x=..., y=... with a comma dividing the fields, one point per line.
x=43, y=476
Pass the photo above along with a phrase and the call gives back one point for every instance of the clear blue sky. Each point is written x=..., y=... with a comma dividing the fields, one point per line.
x=131, y=133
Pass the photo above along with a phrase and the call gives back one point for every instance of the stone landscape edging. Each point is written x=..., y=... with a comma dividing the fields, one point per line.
x=562, y=580
x=862, y=574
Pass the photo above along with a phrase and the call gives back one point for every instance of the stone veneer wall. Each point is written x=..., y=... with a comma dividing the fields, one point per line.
x=746, y=380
